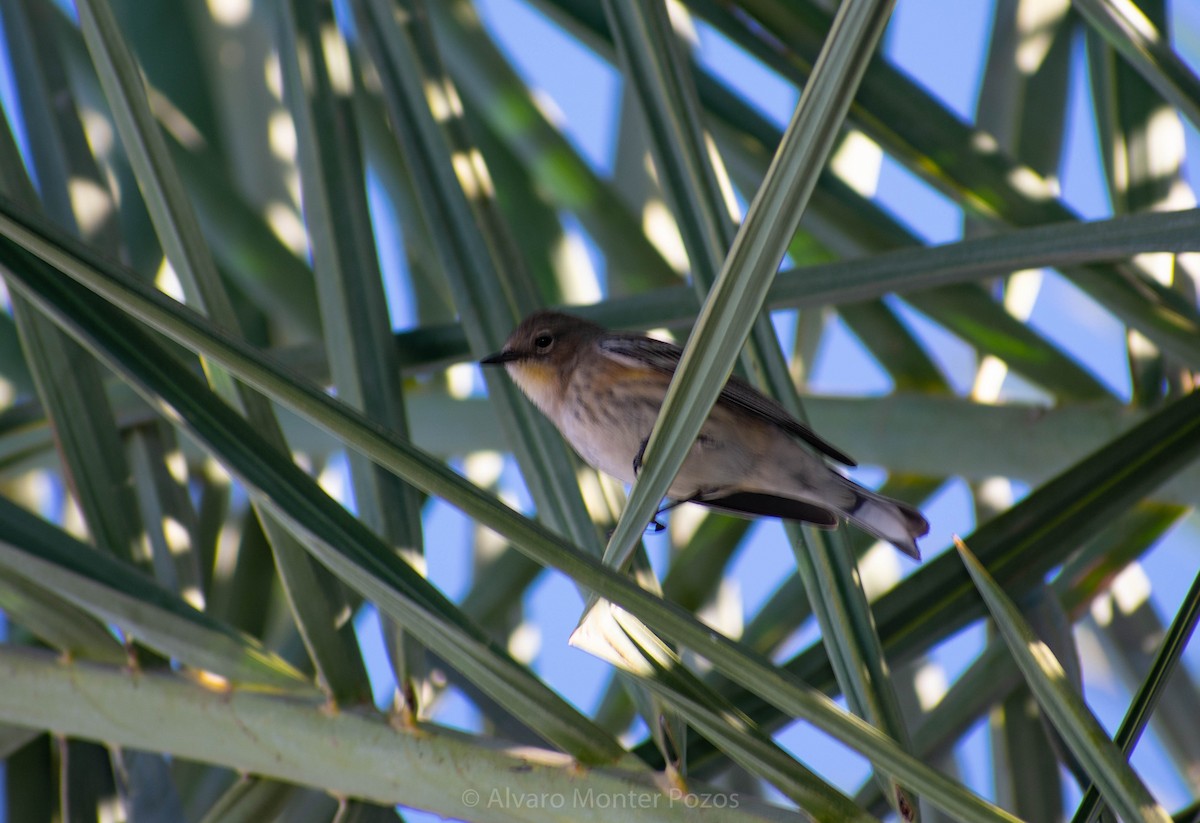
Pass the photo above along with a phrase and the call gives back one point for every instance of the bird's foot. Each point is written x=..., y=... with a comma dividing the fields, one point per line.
x=655, y=527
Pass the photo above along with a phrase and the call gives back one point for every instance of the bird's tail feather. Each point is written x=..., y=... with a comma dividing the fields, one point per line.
x=897, y=523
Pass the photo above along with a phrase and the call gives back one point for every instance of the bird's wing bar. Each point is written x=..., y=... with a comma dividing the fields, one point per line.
x=635, y=350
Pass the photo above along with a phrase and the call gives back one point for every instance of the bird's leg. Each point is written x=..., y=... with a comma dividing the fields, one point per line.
x=654, y=525
x=637, y=458
x=666, y=507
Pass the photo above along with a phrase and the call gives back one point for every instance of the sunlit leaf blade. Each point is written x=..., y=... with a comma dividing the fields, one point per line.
x=626, y=643
x=171, y=529
x=994, y=674
x=1035, y=535
x=736, y=298
x=316, y=605
x=1166, y=660
x=116, y=594
x=245, y=246
x=1119, y=784
x=968, y=310
x=93, y=463
x=1144, y=163
x=1144, y=46
x=652, y=60
x=290, y=740
x=474, y=250
x=691, y=178
x=354, y=314
x=49, y=617
x=1028, y=750
x=493, y=89
x=849, y=225
x=241, y=240
x=1130, y=639
x=90, y=446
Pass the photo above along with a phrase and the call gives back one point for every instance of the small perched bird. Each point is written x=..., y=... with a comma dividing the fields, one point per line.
x=603, y=390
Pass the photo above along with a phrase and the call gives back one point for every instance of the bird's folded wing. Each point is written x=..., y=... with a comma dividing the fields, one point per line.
x=635, y=350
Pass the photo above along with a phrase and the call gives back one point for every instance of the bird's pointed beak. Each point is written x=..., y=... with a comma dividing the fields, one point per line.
x=499, y=358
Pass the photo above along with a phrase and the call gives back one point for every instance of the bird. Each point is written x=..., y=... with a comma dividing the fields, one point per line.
x=603, y=390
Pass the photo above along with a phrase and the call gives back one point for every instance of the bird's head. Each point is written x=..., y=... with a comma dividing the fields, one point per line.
x=542, y=352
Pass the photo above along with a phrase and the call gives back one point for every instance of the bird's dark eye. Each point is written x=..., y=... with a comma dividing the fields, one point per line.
x=543, y=341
